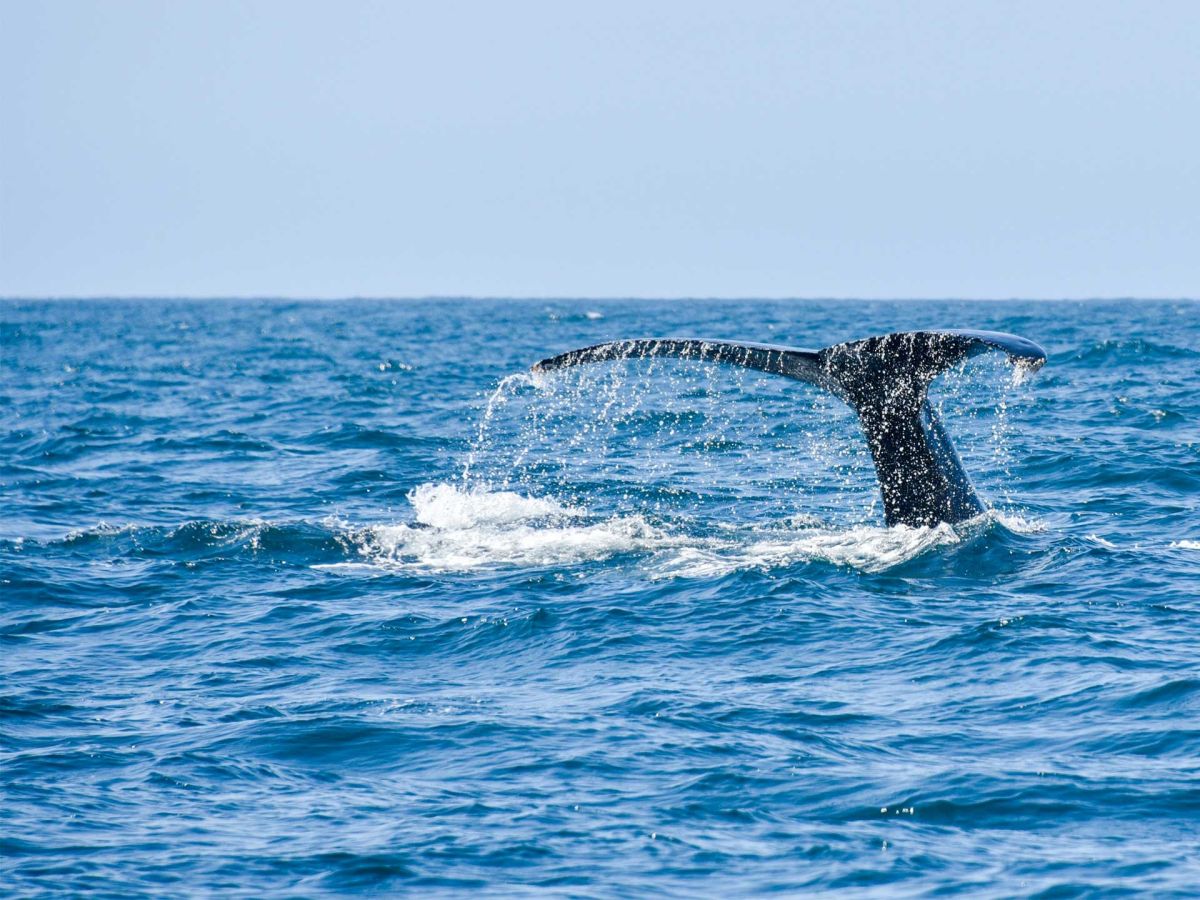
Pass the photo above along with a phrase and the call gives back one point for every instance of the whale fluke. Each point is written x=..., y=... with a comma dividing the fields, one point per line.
x=885, y=380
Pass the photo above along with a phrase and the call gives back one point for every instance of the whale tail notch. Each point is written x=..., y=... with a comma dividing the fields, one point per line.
x=885, y=380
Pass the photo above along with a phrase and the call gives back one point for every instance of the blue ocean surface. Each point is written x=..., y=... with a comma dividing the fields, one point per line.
x=304, y=599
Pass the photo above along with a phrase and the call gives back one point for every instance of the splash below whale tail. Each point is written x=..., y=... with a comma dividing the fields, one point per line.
x=885, y=380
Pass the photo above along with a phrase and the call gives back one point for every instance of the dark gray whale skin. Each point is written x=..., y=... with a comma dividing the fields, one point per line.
x=885, y=380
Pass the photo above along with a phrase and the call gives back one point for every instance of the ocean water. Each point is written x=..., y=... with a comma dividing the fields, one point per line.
x=329, y=598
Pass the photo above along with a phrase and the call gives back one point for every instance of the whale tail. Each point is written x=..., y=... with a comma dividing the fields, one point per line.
x=885, y=380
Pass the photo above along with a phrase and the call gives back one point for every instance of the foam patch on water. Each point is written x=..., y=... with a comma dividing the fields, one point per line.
x=446, y=507
x=459, y=529
x=866, y=548
x=521, y=545
x=1016, y=523
x=1186, y=545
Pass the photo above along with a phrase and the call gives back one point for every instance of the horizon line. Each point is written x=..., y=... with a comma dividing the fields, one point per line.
x=546, y=298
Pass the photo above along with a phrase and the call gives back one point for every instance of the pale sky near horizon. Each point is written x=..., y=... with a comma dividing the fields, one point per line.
x=759, y=148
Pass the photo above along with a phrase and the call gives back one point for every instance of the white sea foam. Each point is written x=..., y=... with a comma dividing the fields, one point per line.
x=1186, y=545
x=866, y=548
x=460, y=529
x=447, y=507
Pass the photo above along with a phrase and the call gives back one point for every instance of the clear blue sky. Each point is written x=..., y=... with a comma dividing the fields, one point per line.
x=878, y=149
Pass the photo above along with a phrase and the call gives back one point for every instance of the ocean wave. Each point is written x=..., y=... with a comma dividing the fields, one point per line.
x=202, y=540
x=1112, y=349
x=460, y=529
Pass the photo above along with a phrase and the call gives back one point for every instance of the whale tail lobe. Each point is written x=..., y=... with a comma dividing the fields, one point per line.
x=885, y=380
